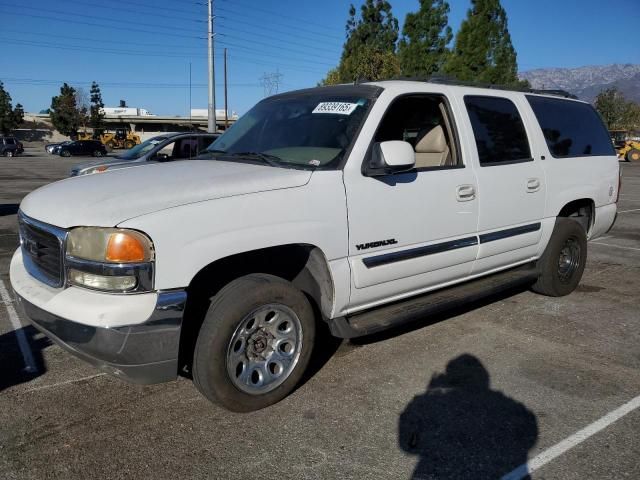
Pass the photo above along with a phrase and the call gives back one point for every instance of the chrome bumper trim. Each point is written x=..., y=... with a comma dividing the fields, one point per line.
x=143, y=353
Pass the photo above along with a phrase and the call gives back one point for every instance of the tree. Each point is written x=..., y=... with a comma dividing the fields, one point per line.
x=616, y=111
x=82, y=105
x=483, y=51
x=64, y=111
x=10, y=118
x=370, y=45
x=96, y=117
x=425, y=36
x=18, y=115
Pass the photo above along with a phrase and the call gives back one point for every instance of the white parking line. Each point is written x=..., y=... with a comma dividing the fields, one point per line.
x=25, y=349
x=559, y=448
x=67, y=382
x=627, y=211
x=616, y=246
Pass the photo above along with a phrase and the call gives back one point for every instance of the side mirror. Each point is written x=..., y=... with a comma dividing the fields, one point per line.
x=390, y=157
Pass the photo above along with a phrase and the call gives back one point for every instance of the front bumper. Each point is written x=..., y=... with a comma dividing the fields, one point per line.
x=143, y=351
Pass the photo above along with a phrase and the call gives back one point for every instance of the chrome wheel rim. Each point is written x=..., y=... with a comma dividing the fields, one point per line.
x=264, y=349
x=569, y=260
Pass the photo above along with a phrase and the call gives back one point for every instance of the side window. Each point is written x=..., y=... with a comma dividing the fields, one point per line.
x=498, y=130
x=166, y=151
x=571, y=129
x=423, y=121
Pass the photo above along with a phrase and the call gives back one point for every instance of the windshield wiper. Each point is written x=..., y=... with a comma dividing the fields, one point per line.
x=272, y=160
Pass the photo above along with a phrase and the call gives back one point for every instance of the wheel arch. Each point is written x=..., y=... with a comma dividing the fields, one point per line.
x=304, y=265
x=582, y=210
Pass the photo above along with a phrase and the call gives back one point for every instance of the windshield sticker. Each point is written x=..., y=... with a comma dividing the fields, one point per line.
x=314, y=163
x=340, y=108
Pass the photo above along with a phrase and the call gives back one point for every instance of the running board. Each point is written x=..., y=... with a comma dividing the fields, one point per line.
x=405, y=311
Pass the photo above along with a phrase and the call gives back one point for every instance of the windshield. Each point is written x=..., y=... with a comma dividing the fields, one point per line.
x=308, y=130
x=139, y=150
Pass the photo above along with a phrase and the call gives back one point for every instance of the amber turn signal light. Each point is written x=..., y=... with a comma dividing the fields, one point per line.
x=125, y=248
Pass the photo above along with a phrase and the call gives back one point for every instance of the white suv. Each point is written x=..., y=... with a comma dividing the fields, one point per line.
x=362, y=206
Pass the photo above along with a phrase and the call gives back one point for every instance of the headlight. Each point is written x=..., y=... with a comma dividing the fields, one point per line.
x=98, y=169
x=114, y=245
x=109, y=259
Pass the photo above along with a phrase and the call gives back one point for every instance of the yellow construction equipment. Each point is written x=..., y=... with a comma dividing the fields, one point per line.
x=122, y=138
x=627, y=148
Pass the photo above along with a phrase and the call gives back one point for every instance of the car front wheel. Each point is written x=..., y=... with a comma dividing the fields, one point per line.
x=254, y=344
x=65, y=153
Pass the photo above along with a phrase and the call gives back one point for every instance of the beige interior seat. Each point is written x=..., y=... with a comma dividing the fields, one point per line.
x=432, y=149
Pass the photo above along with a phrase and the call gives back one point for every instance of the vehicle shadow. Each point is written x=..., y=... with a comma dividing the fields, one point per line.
x=461, y=429
x=8, y=209
x=421, y=321
x=13, y=369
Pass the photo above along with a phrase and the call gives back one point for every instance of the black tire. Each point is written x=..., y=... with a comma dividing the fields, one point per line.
x=65, y=153
x=97, y=153
x=228, y=310
x=633, y=155
x=8, y=153
x=562, y=263
x=129, y=144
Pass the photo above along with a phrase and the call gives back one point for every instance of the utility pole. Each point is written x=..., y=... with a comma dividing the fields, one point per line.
x=226, y=107
x=212, y=125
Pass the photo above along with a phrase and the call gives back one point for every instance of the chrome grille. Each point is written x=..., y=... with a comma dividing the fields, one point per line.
x=42, y=250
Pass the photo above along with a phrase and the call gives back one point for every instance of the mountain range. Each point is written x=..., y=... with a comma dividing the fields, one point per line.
x=587, y=82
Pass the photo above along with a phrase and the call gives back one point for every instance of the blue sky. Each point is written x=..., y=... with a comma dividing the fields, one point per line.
x=140, y=50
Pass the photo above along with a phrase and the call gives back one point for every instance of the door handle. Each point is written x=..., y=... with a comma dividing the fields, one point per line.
x=533, y=185
x=465, y=193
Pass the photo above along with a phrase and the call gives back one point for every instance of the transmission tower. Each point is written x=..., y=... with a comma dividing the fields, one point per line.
x=271, y=82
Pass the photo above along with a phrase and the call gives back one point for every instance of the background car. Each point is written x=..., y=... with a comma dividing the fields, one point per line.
x=9, y=146
x=82, y=147
x=163, y=148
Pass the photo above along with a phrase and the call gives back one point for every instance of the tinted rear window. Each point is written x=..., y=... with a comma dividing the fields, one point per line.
x=571, y=129
x=498, y=130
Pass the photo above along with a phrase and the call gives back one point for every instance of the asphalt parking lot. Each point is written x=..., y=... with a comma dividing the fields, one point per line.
x=471, y=394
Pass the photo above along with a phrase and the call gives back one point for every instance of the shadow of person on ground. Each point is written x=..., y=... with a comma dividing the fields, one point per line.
x=462, y=429
x=8, y=209
x=14, y=370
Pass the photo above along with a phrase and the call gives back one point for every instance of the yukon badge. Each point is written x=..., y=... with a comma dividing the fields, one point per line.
x=379, y=243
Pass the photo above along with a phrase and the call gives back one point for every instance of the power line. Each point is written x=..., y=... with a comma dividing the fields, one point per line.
x=273, y=38
x=84, y=39
x=110, y=27
x=262, y=54
x=279, y=47
x=43, y=82
x=306, y=31
x=91, y=17
x=278, y=14
x=92, y=49
x=146, y=14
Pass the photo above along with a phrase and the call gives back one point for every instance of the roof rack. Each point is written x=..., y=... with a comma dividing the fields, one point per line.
x=446, y=80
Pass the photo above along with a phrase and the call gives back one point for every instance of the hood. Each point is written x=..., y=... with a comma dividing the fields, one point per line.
x=107, y=199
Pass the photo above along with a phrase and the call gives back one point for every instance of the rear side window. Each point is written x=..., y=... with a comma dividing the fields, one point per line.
x=498, y=130
x=571, y=129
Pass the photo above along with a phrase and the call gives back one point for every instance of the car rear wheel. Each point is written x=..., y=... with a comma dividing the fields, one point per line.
x=254, y=344
x=563, y=261
x=8, y=153
x=97, y=153
x=633, y=155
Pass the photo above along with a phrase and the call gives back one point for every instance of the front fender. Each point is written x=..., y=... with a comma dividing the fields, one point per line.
x=189, y=237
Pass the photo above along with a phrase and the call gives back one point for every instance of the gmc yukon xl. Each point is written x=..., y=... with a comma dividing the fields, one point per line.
x=359, y=206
